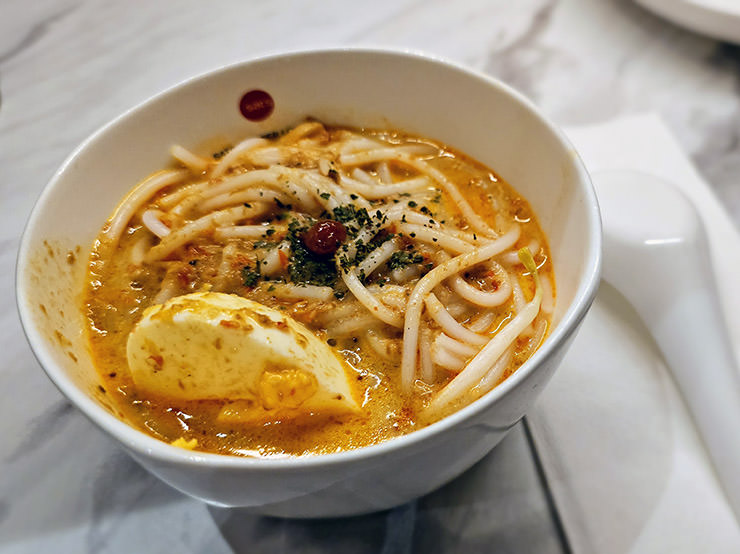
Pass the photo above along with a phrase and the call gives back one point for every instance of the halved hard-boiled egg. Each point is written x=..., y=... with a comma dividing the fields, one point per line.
x=208, y=345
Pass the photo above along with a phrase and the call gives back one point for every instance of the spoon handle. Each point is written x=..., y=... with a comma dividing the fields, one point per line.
x=657, y=255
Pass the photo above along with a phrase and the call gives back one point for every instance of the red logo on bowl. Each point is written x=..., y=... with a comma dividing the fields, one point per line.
x=256, y=105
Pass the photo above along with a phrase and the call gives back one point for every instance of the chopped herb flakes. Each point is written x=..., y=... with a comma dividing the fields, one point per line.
x=221, y=153
x=402, y=259
x=304, y=266
x=276, y=134
x=348, y=213
x=251, y=276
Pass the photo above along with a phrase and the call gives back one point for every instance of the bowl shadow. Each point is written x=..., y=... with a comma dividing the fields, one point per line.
x=499, y=505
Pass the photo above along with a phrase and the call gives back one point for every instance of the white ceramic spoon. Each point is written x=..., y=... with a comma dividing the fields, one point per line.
x=657, y=255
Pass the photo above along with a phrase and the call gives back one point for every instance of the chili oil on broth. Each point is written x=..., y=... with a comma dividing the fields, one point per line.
x=123, y=283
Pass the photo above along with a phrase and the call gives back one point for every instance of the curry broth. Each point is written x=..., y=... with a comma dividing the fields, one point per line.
x=118, y=291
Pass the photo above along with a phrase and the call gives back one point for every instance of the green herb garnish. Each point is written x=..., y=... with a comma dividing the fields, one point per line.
x=304, y=266
x=251, y=276
x=281, y=205
x=347, y=213
x=221, y=153
x=403, y=258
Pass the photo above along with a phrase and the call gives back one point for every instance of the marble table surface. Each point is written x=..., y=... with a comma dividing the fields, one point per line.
x=68, y=66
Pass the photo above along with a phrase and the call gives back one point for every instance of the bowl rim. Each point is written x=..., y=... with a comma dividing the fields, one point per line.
x=141, y=443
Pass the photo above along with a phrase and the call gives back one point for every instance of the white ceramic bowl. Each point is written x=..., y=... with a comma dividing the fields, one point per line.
x=372, y=88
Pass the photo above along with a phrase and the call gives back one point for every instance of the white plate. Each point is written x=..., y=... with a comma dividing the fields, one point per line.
x=718, y=19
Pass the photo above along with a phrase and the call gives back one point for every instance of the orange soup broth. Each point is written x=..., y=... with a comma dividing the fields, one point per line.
x=118, y=291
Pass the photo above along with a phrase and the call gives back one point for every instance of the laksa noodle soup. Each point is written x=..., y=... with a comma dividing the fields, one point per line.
x=314, y=291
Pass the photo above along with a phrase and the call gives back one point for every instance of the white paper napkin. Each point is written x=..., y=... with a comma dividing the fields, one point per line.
x=626, y=466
